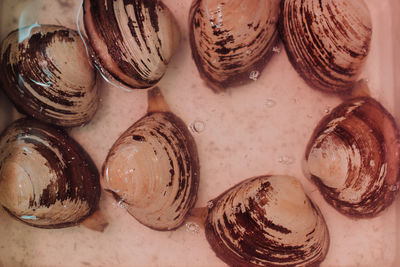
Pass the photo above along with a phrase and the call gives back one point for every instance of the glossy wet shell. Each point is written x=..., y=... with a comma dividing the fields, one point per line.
x=353, y=157
x=232, y=38
x=327, y=41
x=46, y=179
x=153, y=171
x=267, y=221
x=48, y=75
x=133, y=40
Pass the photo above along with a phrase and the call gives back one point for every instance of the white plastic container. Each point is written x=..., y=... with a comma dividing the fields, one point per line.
x=260, y=128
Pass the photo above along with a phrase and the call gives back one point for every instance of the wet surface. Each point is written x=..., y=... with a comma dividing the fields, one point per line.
x=247, y=131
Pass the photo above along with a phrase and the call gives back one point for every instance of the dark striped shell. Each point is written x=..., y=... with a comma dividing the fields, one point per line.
x=327, y=41
x=267, y=221
x=153, y=170
x=230, y=39
x=133, y=40
x=46, y=179
x=48, y=75
x=354, y=157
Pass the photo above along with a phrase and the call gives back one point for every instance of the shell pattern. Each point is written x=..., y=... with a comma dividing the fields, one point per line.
x=48, y=75
x=153, y=169
x=327, y=41
x=267, y=221
x=230, y=39
x=354, y=157
x=133, y=40
x=46, y=179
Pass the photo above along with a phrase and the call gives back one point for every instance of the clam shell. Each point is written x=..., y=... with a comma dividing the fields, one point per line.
x=353, y=157
x=327, y=41
x=230, y=39
x=133, y=40
x=267, y=221
x=153, y=171
x=46, y=179
x=48, y=75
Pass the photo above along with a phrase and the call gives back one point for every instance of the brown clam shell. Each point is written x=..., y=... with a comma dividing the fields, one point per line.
x=267, y=221
x=133, y=40
x=353, y=157
x=153, y=169
x=48, y=75
x=230, y=39
x=47, y=180
x=327, y=41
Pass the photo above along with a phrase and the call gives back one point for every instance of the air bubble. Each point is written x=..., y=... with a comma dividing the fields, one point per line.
x=192, y=227
x=286, y=160
x=122, y=204
x=276, y=49
x=197, y=126
x=371, y=163
x=254, y=75
x=394, y=188
x=269, y=103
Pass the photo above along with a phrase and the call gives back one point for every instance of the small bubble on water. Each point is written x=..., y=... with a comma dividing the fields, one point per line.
x=269, y=103
x=122, y=204
x=197, y=126
x=287, y=160
x=210, y=204
x=371, y=163
x=394, y=187
x=254, y=75
x=276, y=49
x=192, y=227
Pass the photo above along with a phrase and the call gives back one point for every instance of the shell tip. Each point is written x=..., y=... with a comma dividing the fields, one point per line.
x=360, y=89
x=96, y=222
x=156, y=101
x=198, y=215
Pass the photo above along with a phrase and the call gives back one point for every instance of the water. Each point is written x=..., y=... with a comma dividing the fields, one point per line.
x=269, y=103
x=254, y=75
x=192, y=227
x=197, y=126
x=286, y=160
x=276, y=49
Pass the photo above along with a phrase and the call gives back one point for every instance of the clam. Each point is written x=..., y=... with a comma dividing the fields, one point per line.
x=48, y=75
x=153, y=169
x=46, y=179
x=232, y=40
x=133, y=41
x=327, y=41
x=267, y=221
x=353, y=157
